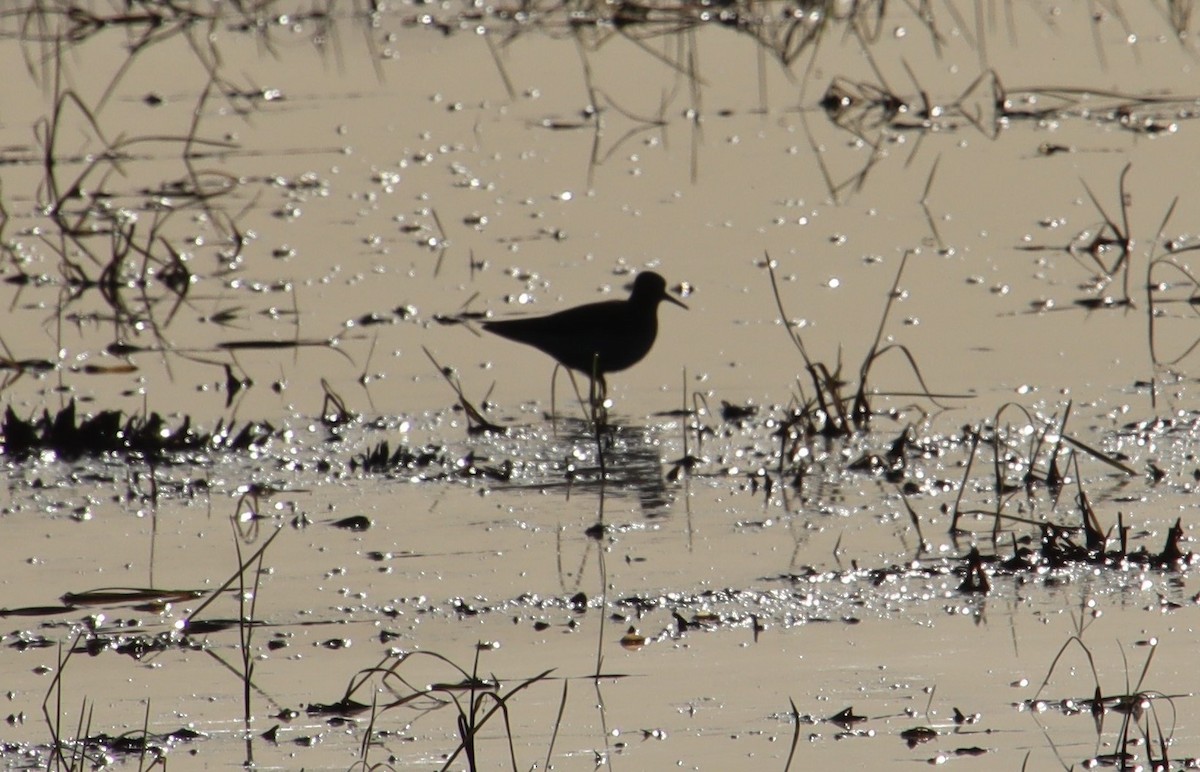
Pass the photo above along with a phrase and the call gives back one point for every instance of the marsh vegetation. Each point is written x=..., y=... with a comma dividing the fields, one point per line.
x=917, y=470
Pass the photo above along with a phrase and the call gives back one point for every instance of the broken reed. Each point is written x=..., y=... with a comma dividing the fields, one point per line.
x=478, y=701
x=1141, y=730
x=84, y=749
x=837, y=407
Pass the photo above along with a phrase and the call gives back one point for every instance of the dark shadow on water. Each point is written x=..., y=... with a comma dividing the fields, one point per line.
x=633, y=465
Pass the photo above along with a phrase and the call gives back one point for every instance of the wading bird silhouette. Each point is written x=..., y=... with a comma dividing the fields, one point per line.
x=596, y=338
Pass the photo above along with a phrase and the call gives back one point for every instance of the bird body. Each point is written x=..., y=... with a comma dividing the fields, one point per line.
x=595, y=338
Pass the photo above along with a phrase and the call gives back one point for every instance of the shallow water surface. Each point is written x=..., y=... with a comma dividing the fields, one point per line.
x=278, y=232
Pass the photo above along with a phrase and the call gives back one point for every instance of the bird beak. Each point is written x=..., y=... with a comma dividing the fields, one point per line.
x=667, y=296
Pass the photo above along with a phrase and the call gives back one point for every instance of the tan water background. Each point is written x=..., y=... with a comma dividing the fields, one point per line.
x=348, y=192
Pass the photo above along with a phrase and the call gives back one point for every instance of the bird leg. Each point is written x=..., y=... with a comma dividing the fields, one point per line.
x=598, y=394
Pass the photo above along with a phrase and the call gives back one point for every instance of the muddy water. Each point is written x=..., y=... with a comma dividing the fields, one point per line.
x=371, y=185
